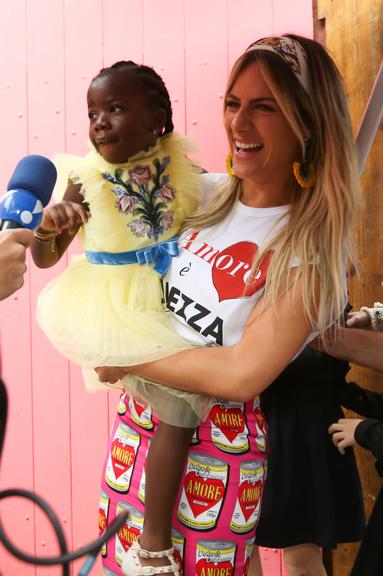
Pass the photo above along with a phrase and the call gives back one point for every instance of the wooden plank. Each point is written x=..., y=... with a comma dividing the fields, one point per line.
x=353, y=37
x=83, y=59
x=49, y=371
x=245, y=30
x=84, y=45
x=296, y=18
x=17, y=464
x=206, y=66
x=271, y=559
x=164, y=51
x=122, y=31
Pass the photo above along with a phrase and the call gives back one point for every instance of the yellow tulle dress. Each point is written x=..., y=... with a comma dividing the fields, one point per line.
x=106, y=308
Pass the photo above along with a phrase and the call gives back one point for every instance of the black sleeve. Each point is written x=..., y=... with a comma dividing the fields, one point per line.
x=369, y=434
x=364, y=402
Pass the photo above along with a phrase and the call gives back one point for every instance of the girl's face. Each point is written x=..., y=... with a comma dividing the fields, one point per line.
x=262, y=142
x=120, y=122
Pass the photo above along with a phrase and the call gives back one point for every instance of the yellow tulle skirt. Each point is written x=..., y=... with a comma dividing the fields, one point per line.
x=105, y=315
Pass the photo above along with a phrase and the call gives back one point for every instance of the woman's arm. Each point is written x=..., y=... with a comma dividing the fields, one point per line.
x=59, y=226
x=240, y=372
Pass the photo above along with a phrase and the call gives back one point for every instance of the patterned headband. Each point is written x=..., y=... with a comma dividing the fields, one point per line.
x=290, y=51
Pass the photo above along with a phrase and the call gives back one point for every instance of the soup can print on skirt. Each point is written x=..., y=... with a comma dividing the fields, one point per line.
x=141, y=488
x=122, y=457
x=141, y=413
x=248, y=554
x=129, y=532
x=215, y=558
x=121, y=407
x=229, y=431
x=247, y=506
x=203, y=491
x=178, y=543
x=260, y=427
x=103, y=518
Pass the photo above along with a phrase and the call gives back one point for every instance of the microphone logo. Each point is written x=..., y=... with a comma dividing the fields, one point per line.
x=22, y=207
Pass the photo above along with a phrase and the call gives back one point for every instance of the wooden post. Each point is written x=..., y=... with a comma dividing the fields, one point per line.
x=352, y=32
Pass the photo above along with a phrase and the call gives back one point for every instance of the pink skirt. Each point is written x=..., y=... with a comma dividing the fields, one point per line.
x=219, y=499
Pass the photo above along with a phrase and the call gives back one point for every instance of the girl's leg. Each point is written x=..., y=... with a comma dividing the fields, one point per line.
x=164, y=467
x=304, y=560
x=255, y=566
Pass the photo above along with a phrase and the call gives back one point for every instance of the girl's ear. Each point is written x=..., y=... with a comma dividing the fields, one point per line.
x=158, y=121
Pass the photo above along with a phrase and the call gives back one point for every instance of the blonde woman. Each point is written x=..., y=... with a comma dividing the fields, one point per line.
x=261, y=271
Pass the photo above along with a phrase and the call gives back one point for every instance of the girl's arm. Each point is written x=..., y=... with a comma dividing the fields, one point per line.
x=240, y=372
x=369, y=434
x=59, y=225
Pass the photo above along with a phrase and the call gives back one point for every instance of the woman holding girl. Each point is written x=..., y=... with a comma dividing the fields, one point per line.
x=261, y=271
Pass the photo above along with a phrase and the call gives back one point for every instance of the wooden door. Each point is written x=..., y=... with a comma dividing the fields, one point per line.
x=352, y=32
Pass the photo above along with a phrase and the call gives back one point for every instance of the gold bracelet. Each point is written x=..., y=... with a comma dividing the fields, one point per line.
x=46, y=236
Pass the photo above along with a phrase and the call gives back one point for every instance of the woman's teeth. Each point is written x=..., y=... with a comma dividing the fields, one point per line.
x=247, y=146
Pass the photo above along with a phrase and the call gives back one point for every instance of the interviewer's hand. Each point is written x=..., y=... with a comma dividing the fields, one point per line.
x=343, y=433
x=13, y=246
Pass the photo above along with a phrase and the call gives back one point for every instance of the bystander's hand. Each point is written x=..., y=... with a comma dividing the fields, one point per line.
x=343, y=433
x=359, y=319
x=13, y=246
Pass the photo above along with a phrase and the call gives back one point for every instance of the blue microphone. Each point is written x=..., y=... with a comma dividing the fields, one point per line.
x=29, y=190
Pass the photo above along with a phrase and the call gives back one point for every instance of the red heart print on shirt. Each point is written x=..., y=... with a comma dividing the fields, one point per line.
x=232, y=272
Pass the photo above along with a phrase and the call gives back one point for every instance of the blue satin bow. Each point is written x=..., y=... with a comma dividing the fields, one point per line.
x=160, y=254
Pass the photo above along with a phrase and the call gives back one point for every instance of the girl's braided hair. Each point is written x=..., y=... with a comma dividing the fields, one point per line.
x=152, y=84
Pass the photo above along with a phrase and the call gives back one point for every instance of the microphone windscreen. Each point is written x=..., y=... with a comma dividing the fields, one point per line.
x=36, y=174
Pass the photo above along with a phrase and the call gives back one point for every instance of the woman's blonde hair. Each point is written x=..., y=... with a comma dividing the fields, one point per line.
x=317, y=233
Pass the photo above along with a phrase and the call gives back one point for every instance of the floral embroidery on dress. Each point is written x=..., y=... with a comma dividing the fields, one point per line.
x=146, y=195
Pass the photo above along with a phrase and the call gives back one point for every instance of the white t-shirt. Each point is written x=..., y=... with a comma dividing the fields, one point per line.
x=210, y=288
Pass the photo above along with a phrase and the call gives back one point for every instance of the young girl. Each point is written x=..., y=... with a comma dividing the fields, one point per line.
x=129, y=196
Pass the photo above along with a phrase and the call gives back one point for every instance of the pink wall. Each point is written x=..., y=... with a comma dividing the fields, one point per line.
x=49, y=51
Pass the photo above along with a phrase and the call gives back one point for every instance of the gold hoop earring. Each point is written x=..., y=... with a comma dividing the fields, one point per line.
x=304, y=171
x=304, y=174
x=229, y=164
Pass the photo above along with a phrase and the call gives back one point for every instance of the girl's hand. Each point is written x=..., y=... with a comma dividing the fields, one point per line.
x=111, y=374
x=343, y=433
x=359, y=319
x=66, y=216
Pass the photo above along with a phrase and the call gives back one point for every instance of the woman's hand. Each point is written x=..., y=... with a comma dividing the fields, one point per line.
x=111, y=374
x=343, y=433
x=64, y=216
